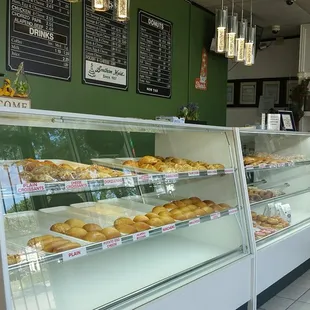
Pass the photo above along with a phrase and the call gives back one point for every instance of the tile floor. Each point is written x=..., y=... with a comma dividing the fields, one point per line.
x=294, y=297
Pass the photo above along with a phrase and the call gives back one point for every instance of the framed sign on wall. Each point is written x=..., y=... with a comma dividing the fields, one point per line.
x=40, y=36
x=154, y=60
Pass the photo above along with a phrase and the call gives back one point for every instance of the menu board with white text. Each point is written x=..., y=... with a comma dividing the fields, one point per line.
x=105, y=49
x=154, y=55
x=39, y=34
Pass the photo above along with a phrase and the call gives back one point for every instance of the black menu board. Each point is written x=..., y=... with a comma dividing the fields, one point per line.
x=105, y=49
x=39, y=34
x=154, y=55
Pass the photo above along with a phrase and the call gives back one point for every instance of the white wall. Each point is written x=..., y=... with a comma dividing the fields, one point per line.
x=277, y=60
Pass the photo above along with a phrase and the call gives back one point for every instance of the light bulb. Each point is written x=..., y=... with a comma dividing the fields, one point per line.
x=220, y=26
x=220, y=39
x=240, y=49
x=101, y=5
x=73, y=1
x=230, y=45
x=248, y=57
x=121, y=10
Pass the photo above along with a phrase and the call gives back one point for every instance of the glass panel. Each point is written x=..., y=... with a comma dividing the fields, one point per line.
x=277, y=169
x=122, y=214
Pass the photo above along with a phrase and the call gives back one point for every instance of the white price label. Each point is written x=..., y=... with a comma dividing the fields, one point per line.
x=172, y=176
x=30, y=187
x=262, y=166
x=281, y=165
x=140, y=235
x=193, y=173
x=290, y=164
x=215, y=216
x=273, y=166
x=111, y=243
x=72, y=254
x=143, y=178
x=71, y=185
x=232, y=211
x=113, y=181
x=250, y=167
x=168, y=228
x=211, y=172
x=194, y=222
x=228, y=170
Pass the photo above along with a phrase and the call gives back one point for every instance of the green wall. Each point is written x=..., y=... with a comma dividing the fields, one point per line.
x=191, y=28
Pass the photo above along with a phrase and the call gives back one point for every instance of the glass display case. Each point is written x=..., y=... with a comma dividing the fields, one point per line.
x=277, y=178
x=96, y=211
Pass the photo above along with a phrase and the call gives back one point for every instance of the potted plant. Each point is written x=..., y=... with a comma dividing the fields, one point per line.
x=191, y=113
x=299, y=97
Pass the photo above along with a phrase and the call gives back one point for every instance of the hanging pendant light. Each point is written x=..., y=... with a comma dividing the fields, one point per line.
x=250, y=44
x=220, y=28
x=73, y=1
x=232, y=29
x=101, y=5
x=241, y=37
x=121, y=10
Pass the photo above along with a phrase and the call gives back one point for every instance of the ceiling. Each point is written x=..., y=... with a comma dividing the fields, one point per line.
x=269, y=12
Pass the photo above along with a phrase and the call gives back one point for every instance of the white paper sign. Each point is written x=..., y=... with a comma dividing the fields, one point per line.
x=273, y=122
x=15, y=102
x=140, y=235
x=105, y=73
x=113, y=181
x=30, y=188
x=215, y=216
x=111, y=243
x=73, y=185
x=193, y=173
x=194, y=222
x=72, y=254
x=211, y=172
x=168, y=228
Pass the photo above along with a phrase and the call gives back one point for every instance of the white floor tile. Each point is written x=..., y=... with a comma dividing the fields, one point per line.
x=293, y=292
x=277, y=303
x=299, y=306
x=305, y=297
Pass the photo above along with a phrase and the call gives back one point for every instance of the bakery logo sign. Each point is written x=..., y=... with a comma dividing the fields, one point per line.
x=105, y=73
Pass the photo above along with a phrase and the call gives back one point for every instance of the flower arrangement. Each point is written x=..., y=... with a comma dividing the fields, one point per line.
x=189, y=111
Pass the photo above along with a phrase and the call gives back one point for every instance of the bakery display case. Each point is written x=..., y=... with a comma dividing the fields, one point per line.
x=109, y=213
x=277, y=176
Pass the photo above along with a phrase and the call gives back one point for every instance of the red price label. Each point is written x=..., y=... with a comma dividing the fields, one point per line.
x=232, y=211
x=72, y=185
x=215, y=216
x=140, y=235
x=30, y=188
x=193, y=173
x=72, y=254
x=168, y=228
x=111, y=243
x=229, y=170
x=250, y=167
x=143, y=178
x=172, y=176
x=211, y=172
x=113, y=181
x=194, y=222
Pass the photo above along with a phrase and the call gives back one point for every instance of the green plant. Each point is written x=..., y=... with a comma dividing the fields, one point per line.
x=190, y=112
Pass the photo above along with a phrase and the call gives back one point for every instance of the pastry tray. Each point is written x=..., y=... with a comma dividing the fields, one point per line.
x=110, y=208
x=117, y=163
